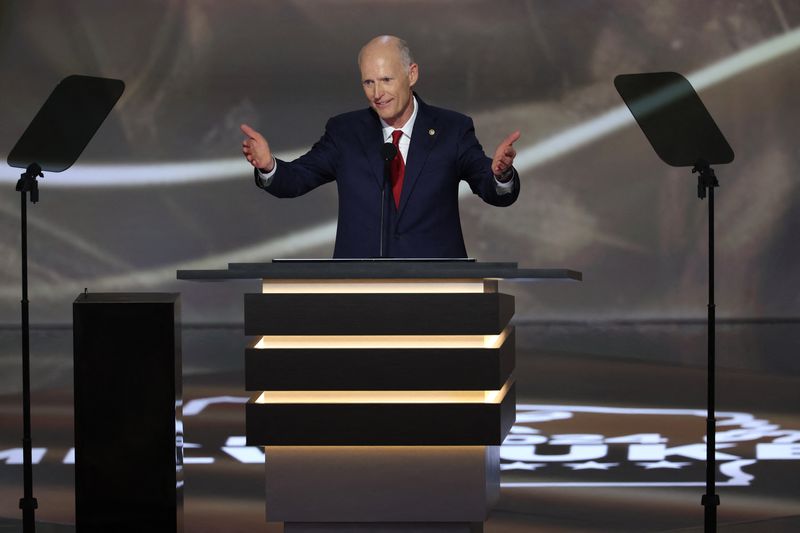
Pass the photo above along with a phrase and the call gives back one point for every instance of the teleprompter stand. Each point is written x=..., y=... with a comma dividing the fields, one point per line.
x=683, y=134
x=53, y=141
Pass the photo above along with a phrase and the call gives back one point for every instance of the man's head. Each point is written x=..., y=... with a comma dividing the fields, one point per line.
x=388, y=73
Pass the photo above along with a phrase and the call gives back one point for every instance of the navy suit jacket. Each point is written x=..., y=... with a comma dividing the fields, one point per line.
x=442, y=152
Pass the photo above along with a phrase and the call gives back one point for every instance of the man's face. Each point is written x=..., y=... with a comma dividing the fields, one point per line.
x=387, y=84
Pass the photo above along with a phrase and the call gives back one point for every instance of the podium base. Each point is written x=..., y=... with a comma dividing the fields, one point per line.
x=391, y=485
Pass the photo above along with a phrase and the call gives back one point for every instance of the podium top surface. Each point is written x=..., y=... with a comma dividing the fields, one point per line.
x=337, y=269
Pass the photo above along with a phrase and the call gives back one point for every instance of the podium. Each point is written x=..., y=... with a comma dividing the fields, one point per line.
x=382, y=389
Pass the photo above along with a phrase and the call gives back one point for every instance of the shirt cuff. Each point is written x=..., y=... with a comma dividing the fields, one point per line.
x=505, y=187
x=264, y=179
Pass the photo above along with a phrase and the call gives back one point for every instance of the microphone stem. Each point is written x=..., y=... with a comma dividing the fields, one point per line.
x=388, y=152
x=383, y=212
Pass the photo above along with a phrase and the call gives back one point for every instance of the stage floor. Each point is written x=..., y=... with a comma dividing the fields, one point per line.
x=602, y=442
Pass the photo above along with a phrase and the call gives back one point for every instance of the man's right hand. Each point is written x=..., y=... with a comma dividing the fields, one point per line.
x=256, y=149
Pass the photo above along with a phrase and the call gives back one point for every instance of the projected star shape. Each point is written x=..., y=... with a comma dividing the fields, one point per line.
x=591, y=465
x=663, y=464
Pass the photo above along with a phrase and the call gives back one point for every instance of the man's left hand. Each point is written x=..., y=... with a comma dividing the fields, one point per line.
x=504, y=155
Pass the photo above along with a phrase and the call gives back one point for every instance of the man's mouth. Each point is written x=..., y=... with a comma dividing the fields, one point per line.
x=382, y=104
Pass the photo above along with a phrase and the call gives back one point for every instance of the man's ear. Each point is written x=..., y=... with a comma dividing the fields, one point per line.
x=413, y=74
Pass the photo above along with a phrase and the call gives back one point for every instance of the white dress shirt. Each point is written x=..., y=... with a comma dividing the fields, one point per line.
x=405, y=139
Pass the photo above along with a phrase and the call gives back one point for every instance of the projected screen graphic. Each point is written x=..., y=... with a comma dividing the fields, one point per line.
x=634, y=452
x=163, y=185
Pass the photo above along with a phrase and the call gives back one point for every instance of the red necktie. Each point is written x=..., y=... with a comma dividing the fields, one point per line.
x=398, y=169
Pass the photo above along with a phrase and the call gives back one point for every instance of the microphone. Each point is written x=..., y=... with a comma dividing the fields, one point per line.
x=388, y=153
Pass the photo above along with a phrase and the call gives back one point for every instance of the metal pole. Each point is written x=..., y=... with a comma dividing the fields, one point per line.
x=707, y=180
x=28, y=503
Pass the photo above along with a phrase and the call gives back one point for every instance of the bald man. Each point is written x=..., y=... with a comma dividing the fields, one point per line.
x=417, y=206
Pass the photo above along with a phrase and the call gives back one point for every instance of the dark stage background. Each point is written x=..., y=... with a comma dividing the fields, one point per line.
x=163, y=185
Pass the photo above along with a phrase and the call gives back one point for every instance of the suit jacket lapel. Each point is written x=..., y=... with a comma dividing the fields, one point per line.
x=422, y=142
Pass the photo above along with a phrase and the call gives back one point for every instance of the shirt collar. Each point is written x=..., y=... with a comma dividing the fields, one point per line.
x=407, y=128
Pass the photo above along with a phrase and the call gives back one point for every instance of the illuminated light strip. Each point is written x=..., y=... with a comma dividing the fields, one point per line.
x=271, y=286
x=381, y=396
x=538, y=154
x=381, y=341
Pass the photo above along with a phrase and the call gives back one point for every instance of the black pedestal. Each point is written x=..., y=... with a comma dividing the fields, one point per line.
x=128, y=434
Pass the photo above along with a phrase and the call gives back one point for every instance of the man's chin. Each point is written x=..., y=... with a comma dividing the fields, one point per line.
x=389, y=118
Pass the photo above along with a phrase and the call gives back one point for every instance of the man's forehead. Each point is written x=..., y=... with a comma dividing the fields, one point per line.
x=388, y=51
x=380, y=63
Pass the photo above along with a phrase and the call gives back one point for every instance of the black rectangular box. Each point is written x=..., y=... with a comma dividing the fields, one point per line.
x=377, y=314
x=128, y=433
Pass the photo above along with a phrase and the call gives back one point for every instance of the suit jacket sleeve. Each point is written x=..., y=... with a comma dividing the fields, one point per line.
x=476, y=169
x=307, y=172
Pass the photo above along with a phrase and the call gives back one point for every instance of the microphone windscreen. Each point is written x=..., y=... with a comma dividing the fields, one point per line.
x=388, y=151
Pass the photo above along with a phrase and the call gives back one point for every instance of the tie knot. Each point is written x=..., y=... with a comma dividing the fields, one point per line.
x=396, y=134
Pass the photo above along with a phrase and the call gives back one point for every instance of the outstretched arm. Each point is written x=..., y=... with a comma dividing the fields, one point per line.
x=494, y=180
x=288, y=179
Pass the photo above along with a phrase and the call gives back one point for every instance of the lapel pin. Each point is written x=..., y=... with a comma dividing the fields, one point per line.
x=431, y=131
